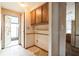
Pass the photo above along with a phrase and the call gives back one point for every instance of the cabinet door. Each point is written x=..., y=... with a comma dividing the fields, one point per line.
x=38, y=15
x=45, y=13
x=33, y=17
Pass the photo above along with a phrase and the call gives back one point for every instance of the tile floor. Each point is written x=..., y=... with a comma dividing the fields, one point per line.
x=12, y=43
x=71, y=51
x=15, y=51
x=37, y=51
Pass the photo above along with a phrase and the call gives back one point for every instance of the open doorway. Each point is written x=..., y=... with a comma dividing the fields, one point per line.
x=11, y=31
x=70, y=29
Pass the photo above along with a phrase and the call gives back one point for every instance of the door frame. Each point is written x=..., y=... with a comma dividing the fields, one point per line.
x=22, y=24
x=3, y=30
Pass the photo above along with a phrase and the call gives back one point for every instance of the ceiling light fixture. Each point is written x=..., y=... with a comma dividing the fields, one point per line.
x=23, y=4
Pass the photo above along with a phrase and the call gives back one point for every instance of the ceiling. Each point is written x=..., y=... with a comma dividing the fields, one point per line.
x=15, y=6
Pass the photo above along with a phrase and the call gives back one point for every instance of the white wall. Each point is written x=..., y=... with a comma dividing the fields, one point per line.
x=29, y=38
x=22, y=29
x=41, y=40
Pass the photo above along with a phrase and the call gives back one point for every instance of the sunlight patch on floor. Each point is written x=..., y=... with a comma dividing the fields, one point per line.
x=37, y=51
x=15, y=51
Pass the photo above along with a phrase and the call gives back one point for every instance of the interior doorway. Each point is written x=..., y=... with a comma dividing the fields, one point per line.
x=11, y=31
x=70, y=16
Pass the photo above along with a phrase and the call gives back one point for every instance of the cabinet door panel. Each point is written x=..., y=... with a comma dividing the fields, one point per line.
x=45, y=13
x=38, y=15
x=33, y=17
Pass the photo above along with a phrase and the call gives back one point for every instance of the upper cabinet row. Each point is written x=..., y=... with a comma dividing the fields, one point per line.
x=40, y=15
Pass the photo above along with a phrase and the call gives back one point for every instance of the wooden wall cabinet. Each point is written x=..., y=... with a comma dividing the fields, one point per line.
x=45, y=13
x=33, y=17
x=40, y=15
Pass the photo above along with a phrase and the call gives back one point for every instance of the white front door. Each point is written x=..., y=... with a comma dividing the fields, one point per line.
x=10, y=31
x=7, y=30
